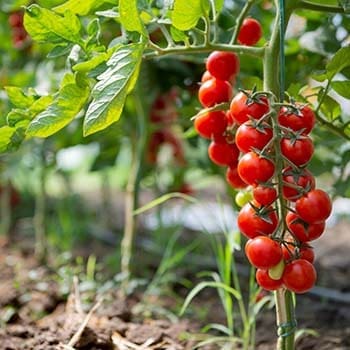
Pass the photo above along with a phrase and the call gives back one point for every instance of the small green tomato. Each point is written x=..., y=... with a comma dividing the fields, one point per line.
x=243, y=197
x=276, y=271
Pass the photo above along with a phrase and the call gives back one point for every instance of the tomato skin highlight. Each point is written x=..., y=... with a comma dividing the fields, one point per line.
x=254, y=169
x=250, y=32
x=249, y=137
x=314, y=207
x=266, y=282
x=210, y=124
x=263, y=252
x=305, y=121
x=241, y=110
x=299, y=276
x=252, y=225
x=302, y=230
x=264, y=195
x=223, y=153
x=214, y=91
x=299, y=151
x=222, y=64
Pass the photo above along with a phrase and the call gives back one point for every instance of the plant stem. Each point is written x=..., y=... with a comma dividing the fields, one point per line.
x=302, y=4
x=40, y=210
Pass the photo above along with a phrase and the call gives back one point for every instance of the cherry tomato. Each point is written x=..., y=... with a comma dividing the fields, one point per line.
x=223, y=153
x=254, y=169
x=263, y=252
x=214, y=91
x=250, y=32
x=303, y=231
x=296, y=177
x=304, y=252
x=250, y=136
x=233, y=178
x=264, y=195
x=256, y=222
x=314, y=207
x=242, y=108
x=303, y=118
x=298, y=151
x=206, y=76
x=222, y=65
x=299, y=276
x=16, y=19
x=211, y=123
x=265, y=281
x=243, y=197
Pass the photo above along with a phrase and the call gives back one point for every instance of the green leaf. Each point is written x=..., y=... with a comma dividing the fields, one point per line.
x=6, y=133
x=129, y=16
x=92, y=63
x=114, y=85
x=64, y=108
x=44, y=25
x=330, y=107
x=339, y=61
x=60, y=50
x=186, y=13
x=178, y=35
x=345, y=4
x=79, y=7
x=18, y=98
x=342, y=88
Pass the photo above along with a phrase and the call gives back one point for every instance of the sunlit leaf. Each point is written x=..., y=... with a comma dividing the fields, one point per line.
x=130, y=17
x=342, y=88
x=338, y=62
x=79, y=7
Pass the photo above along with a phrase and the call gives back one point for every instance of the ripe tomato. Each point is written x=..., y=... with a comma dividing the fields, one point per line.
x=303, y=231
x=264, y=195
x=257, y=222
x=222, y=65
x=265, y=281
x=296, y=177
x=298, y=151
x=214, y=91
x=254, y=169
x=16, y=19
x=223, y=153
x=304, y=252
x=314, y=207
x=250, y=32
x=233, y=178
x=242, y=108
x=250, y=136
x=301, y=118
x=263, y=252
x=211, y=123
x=299, y=276
x=206, y=76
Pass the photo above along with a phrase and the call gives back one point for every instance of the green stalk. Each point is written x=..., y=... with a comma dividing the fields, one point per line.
x=319, y=7
x=272, y=67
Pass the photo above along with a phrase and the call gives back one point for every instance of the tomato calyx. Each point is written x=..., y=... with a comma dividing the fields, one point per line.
x=254, y=96
x=263, y=212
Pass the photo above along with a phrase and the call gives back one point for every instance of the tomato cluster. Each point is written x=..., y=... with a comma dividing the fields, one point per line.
x=254, y=139
x=20, y=37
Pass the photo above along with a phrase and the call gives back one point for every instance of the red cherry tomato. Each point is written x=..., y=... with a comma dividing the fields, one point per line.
x=254, y=169
x=296, y=177
x=253, y=223
x=242, y=108
x=206, y=76
x=233, y=178
x=304, y=252
x=299, y=151
x=16, y=19
x=250, y=136
x=299, y=276
x=214, y=91
x=297, y=120
x=314, y=207
x=222, y=65
x=264, y=195
x=222, y=153
x=265, y=281
x=303, y=231
x=263, y=252
x=210, y=124
x=250, y=32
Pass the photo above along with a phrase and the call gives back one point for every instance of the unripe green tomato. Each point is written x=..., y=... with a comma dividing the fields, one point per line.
x=276, y=271
x=243, y=197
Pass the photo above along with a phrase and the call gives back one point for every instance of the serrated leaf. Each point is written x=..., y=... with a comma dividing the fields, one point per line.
x=44, y=25
x=79, y=7
x=18, y=98
x=339, y=61
x=342, y=88
x=114, y=85
x=66, y=105
x=186, y=13
x=130, y=17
